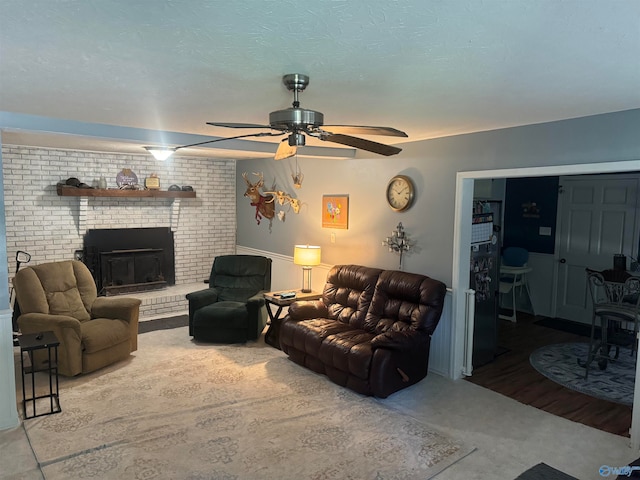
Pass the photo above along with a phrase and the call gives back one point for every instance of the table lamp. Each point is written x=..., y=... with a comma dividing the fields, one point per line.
x=307, y=256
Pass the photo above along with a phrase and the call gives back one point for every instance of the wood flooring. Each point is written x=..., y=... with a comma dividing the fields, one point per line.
x=512, y=375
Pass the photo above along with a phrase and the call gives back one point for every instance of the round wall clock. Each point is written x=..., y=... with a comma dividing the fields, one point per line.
x=400, y=192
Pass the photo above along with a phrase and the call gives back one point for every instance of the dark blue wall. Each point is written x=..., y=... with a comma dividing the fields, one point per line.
x=531, y=203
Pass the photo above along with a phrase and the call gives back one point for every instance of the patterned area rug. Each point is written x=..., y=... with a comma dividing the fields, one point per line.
x=559, y=362
x=182, y=410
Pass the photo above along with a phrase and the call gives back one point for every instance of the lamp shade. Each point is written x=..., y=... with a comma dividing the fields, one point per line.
x=307, y=255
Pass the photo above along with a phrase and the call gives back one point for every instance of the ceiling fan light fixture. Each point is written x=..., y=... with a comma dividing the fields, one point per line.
x=161, y=153
x=296, y=140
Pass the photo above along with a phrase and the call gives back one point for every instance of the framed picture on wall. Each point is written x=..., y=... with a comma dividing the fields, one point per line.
x=335, y=211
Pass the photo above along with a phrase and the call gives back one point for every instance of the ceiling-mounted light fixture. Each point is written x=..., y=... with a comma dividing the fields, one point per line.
x=162, y=153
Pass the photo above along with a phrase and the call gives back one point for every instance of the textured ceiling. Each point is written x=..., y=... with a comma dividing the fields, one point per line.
x=430, y=68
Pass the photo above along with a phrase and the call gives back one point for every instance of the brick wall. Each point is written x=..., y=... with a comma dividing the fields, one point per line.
x=51, y=227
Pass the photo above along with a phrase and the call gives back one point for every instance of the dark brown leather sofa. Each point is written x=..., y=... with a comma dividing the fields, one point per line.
x=370, y=331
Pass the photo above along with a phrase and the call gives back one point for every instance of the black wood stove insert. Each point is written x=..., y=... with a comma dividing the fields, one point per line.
x=125, y=260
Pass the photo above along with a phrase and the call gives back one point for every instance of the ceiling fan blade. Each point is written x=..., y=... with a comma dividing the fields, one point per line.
x=362, y=130
x=285, y=150
x=237, y=125
x=361, y=143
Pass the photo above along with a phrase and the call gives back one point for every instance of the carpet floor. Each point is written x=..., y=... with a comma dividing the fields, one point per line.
x=559, y=362
x=179, y=409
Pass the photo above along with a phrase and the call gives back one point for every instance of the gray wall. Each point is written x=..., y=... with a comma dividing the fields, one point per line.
x=433, y=165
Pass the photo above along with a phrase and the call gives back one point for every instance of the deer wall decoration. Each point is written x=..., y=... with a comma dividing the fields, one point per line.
x=265, y=201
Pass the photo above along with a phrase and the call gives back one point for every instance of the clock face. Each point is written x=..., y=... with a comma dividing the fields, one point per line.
x=400, y=193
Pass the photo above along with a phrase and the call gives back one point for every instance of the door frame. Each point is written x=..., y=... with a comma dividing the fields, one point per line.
x=462, y=256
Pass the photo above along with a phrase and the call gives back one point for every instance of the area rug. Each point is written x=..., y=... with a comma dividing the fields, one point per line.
x=559, y=362
x=182, y=410
x=542, y=471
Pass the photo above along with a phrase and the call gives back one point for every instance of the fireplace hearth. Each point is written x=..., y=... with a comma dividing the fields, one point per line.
x=125, y=260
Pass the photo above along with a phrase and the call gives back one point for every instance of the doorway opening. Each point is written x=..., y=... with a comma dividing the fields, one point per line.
x=462, y=352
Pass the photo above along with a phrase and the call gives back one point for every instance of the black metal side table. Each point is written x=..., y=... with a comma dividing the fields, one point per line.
x=29, y=344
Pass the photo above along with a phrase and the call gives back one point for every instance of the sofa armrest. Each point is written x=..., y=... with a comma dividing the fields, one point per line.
x=42, y=322
x=255, y=303
x=304, y=309
x=68, y=332
x=202, y=298
x=121, y=308
x=394, y=340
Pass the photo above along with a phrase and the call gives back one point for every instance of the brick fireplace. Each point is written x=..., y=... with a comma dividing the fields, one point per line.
x=53, y=228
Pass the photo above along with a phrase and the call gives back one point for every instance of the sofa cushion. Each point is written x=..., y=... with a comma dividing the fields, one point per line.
x=102, y=333
x=349, y=351
x=58, y=282
x=67, y=302
x=307, y=335
x=222, y=315
x=405, y=302
x=348, y=293
x=247, y=274
x=235, y=294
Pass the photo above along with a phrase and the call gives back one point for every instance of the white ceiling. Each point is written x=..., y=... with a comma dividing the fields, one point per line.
x=430, y=68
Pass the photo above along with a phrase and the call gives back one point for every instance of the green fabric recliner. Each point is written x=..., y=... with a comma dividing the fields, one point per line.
x=232, y=309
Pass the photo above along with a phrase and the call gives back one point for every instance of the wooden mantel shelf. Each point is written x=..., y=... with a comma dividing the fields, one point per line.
x=97, y=192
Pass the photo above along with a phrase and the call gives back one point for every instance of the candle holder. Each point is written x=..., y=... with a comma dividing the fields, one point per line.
x=399, y=242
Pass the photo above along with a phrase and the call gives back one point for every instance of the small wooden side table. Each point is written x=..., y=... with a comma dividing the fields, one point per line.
x=273, y=300
x=30, y=343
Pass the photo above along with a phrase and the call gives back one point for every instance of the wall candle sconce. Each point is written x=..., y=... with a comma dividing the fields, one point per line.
x=398, y=242
x=307, y=256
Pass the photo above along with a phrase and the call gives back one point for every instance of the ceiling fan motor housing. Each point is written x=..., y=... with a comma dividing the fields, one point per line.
x=293, y=119
x=297, y=140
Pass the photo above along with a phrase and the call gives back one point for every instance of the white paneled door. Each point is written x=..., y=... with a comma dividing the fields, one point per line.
x=597, y=219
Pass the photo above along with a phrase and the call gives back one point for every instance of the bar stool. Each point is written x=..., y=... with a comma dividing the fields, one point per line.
x=615, y=297
x=513, y=277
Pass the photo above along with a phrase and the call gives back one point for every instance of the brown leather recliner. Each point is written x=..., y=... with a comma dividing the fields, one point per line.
x=93, y=331
x=370, y=332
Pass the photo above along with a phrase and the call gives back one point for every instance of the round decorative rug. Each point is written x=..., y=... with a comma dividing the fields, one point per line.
x=559, y=362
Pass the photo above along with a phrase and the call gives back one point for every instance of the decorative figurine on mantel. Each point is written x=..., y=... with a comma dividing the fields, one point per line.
x=152, y=182
x=399, y=242
x=127, y=179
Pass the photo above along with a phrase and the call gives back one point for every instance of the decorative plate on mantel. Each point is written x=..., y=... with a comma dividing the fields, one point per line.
x=126, y=177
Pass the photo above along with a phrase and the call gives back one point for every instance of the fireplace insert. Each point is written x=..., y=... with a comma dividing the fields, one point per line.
x=125, y=260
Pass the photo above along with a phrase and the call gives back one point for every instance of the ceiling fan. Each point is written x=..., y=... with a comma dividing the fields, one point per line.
x=296, y=122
